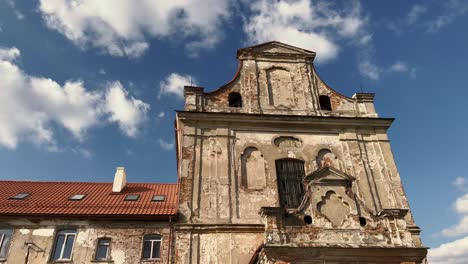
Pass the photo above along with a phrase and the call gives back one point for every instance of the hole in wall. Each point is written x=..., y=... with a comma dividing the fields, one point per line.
x=235, y=100
x=325, y=103
x=362, y=221
x=308, y=219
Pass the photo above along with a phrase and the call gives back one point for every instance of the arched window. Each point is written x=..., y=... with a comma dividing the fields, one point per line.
x=290, y=174
x=325, y=103
x=152, y=246
x=235, y=99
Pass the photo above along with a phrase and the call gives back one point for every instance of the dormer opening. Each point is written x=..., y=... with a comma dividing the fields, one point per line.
x=235, y=99
x=325, y=103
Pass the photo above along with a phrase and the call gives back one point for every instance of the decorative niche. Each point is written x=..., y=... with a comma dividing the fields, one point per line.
x=253, y=171
x=288, y=142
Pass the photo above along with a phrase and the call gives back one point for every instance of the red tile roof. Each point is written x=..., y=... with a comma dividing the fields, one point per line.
x=52, y=199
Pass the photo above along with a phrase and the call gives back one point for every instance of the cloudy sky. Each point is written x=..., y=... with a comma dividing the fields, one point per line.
x=87, y=85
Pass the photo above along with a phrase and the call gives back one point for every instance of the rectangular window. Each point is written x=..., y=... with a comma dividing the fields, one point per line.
x=77, y=197
x=151, y=246
x=19, y=196
x=5, y=239
x=102, y=250
x=158, y=198
x=64, y=242
x=131, y=197
x=290, y=173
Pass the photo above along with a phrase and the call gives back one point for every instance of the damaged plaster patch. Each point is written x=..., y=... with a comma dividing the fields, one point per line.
x=43, y=232
x=24, y=231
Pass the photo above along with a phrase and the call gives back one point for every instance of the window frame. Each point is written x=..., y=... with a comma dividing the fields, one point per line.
x=129, y=197
x=20, y=196
x=66, y=233
x=290, y=189
x=152, y=241
x=4, y=232
x=325, y=105
x=108, y=251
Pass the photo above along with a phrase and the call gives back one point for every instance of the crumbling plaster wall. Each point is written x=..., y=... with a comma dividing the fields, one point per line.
x=126, y=239
x=214, y=164
x=213, y=190
x=277, y=87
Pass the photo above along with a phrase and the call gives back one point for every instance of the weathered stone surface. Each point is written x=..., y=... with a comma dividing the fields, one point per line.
x=232, y=164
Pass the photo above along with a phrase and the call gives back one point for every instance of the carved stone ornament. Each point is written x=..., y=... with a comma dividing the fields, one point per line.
x=334, y=208
x=288, y=142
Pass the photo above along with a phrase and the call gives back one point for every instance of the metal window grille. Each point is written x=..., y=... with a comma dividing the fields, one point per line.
x=290, y=174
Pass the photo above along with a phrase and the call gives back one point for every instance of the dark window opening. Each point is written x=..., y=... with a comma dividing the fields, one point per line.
x=63, y=248
x=325, y=103
x=362, y=221
x=290, y=174
x=308, y=219
x=5, y=239
x=102, y=249
x=235, y=100
x=152, y=246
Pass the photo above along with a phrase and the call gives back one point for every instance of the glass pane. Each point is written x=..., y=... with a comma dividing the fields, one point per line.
x=68, y=247
x=156, y=249
x=147, y=249
x=58, y=246
x=6, y=237
x=101, y=252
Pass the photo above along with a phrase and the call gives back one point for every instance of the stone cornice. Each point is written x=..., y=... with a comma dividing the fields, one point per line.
x=285, y=120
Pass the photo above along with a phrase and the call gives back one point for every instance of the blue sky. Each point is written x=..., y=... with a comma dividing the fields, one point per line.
x=86, y=86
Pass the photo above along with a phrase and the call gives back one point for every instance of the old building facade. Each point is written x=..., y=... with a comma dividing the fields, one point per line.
x=277, y=167
x=86, y=222
x=273, y=167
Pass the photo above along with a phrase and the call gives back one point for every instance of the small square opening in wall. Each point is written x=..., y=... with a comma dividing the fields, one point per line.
x=20, y=196
x=132, y=197
x=158, y=198
x=77, y=197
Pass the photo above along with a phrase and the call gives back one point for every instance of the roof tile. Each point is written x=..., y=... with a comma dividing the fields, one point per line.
x=52, y=198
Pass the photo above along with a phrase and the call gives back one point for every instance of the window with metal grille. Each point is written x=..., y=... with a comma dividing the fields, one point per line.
x=290, y=174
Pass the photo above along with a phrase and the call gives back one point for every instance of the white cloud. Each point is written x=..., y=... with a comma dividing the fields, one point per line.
x=415, y=14
x=460, y=183
x=451, y=10
x=125, y=27
x=161, y=114
x=317, y=26
x=82, y=152
x=455, y=252
x=17, y=13
x=9, y=54
x=402, y=67
x=174, y=84
x=31, y=106
x=368, y=68
x=399, y=66
x=165, y=145
x=127, y=111
x=461, y=228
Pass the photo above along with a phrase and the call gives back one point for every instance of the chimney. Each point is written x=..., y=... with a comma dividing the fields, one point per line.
x=120, y=180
